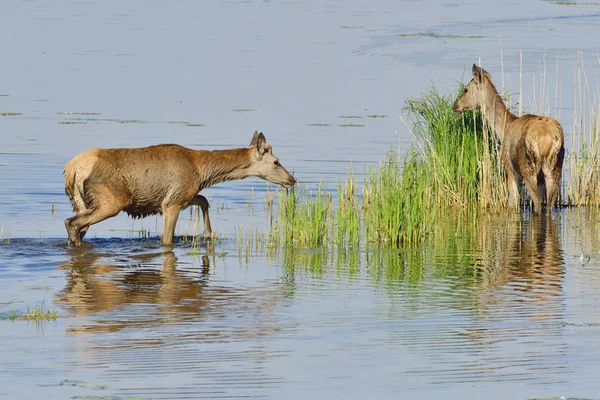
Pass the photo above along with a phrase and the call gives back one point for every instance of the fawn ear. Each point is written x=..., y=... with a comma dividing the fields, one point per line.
x=479, y=73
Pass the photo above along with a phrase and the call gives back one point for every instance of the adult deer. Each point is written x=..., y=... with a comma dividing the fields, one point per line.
x=532, y=146
x=158, y=179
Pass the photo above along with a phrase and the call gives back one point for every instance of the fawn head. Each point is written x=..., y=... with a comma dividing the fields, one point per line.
x=474, y=94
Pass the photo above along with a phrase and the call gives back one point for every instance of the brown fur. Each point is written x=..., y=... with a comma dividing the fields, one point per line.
x=158, y=179
x=532, y=146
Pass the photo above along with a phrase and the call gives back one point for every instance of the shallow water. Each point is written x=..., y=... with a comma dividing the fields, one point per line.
x=508, y=311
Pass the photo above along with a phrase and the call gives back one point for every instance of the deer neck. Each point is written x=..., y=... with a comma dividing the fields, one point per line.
x=218, y=166
x=495, y=112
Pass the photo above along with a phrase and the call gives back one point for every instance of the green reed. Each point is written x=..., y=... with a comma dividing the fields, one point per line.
x=583, y=159
x=454, y=163
x=305, y=217
x=38, y=313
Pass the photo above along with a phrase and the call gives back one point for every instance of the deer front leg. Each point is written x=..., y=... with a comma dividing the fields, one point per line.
x=170, y=214
x=512, y=180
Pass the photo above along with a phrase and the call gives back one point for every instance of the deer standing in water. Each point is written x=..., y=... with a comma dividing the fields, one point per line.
x=158, y=179
x=532, y=146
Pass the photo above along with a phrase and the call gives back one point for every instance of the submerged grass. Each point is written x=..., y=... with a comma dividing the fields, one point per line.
x=351, y=125
x=439, y=36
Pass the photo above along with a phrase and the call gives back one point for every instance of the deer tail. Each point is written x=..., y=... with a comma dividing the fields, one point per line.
x=76, y=172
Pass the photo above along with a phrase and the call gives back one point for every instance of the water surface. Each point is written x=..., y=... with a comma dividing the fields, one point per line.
x=507, y=310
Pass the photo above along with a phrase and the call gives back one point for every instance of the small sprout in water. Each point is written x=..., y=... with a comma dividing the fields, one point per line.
x=72, y=122
x=319, y=124
x=350, y=116
x=10, y=114
x=37, y=313
x=243, y=110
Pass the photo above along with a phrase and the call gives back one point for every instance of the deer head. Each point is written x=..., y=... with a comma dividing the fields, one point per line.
x=265, y=165
x=474, y=95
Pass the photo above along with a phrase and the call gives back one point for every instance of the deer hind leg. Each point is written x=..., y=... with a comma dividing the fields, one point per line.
x=542, y=186
x=552, y=176
x=531, y=182
x=202, y=202
x=108, y=205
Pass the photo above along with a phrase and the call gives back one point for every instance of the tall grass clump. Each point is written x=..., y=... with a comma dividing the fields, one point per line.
x=583, y=159
x=461, y=154
x=348, y=214
x=453, y=164
x=397, y=201
x=304, y=217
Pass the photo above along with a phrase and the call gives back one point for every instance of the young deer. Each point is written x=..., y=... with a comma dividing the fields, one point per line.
x=158, y=179
x=532, y=146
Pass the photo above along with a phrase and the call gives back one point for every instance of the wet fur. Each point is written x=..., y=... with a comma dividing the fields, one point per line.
x=158, y=179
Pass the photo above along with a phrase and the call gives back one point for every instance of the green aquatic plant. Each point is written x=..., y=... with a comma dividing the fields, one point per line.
x=351, y=125
x=462, y=155
x=77, y=113
x=439, y=36
x=10, y=114
x=38, y=313
x=453, y=164
x=130, y=121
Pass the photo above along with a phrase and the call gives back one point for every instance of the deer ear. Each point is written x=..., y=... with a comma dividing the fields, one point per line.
x=254, y=140
x=261, y=144
x=477, y=74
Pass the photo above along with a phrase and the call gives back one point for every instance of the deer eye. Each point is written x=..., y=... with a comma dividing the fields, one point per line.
x=276, y=163
x=466, y=90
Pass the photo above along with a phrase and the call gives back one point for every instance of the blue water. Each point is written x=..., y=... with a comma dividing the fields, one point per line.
x=512, y=314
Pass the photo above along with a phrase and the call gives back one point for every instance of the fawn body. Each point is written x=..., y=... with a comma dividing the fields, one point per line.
x=532, y=146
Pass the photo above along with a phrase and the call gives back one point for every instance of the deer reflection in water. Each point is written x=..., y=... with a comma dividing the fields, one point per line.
x=522, y=270
x=116, y=294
